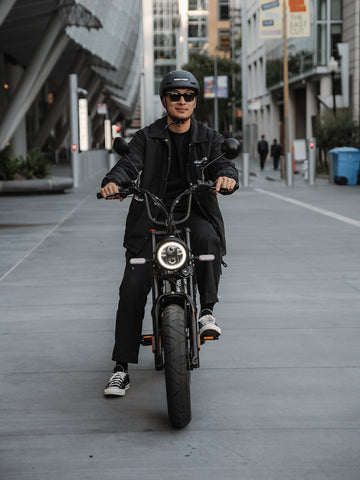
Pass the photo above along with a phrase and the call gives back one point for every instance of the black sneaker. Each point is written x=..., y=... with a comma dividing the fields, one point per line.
x=118, y=384
x=208, y=326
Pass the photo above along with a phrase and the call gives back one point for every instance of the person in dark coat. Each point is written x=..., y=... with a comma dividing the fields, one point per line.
x=275, y=152
x=263, y=149
x=170, y=154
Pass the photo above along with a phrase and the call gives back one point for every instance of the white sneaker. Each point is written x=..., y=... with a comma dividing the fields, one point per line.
x=208, y=326
x=118, y=384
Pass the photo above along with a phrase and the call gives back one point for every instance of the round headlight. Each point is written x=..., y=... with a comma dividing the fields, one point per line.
x=171, y=255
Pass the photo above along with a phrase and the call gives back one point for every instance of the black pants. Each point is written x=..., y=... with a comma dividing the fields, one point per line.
x=276, y=161
x=263, y=156
x=136, y=285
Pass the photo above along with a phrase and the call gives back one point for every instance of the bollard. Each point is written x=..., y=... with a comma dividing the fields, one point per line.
x=312, y=161
x=245, y=170
x=289, y=170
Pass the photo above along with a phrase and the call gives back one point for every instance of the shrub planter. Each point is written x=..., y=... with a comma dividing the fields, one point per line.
x=50, y=184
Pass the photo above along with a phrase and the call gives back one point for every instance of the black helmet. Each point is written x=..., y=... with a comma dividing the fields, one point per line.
x=178, y=79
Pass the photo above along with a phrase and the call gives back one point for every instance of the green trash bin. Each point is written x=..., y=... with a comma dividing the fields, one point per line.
x=346, y=165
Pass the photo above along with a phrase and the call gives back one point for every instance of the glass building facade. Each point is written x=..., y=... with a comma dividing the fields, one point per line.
x=198, y=25
x=165, y=17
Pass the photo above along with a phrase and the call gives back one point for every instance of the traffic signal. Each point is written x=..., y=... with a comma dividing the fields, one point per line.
x=115, y=130
x=311, y=144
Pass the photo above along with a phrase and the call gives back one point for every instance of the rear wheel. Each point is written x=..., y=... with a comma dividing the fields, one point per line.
x=177, y=374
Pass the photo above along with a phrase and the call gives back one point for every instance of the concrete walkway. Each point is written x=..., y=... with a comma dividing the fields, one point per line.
x=277, y=398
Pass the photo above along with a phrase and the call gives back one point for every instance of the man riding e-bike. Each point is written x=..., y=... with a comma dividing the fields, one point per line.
x=171, y=153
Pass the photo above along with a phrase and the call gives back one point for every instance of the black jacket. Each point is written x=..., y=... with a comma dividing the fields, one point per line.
x=150, y=154
x=275, y=150
x=263, y=146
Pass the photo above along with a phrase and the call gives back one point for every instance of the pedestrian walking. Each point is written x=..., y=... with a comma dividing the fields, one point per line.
x=275, y=152
x=263, y=149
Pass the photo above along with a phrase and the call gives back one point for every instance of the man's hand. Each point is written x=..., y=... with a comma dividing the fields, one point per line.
x=110, y=189
x=224, y=182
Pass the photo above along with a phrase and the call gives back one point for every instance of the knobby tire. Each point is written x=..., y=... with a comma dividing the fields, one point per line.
x=177, y=374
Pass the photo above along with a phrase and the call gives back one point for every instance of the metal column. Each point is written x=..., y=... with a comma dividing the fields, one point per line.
x=74, y=128
x=289, y=170
x=58, y=107
x=244, y=101
x=312, y=160
x=245, y=170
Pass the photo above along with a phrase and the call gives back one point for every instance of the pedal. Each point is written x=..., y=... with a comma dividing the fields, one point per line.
x=208, y=337
x=146, y=340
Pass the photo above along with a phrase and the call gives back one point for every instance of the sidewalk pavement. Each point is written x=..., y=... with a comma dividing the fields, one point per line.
x=277, y=397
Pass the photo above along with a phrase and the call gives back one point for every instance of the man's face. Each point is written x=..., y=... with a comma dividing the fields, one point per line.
x=179, y=107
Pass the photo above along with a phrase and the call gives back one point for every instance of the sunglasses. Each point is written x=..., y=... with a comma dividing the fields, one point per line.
x=175, y=96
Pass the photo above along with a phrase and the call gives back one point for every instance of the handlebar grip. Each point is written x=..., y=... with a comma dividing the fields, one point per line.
x=121, y=193
x=99, y=196
x=225, y=191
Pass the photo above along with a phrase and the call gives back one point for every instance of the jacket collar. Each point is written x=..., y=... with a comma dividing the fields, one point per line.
x=197, y=130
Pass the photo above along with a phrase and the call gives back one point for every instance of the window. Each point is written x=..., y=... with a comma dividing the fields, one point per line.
x=224, y=39
x=321, y=44
x=223, y=9
x=336, y=9
x=328, y=29
x=335, y=38
x=197, y=29
x=197, y=4
x=322, y=9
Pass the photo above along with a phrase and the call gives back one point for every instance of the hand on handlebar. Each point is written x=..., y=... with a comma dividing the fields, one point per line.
x=224, y=185
x=113, y=190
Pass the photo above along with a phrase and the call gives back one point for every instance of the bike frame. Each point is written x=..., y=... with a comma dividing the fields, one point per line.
x=173, y=287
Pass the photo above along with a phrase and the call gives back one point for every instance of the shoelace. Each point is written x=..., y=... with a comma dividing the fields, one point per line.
x=117, y=379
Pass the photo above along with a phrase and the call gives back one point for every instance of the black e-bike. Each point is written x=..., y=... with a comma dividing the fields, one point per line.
x=175, y=336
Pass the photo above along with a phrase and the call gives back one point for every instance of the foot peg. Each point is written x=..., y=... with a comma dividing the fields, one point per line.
x=146, y=340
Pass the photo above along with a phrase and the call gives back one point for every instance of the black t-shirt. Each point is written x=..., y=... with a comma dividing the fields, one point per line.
x=177, y=180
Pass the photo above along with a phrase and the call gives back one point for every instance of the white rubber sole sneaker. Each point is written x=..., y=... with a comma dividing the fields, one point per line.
x=208, y=327
x=118, y=384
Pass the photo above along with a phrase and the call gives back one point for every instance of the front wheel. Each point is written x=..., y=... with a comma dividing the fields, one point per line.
x=177, y=374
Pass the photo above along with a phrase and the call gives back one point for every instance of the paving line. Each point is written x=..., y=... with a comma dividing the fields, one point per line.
x=50, y=232
x=322, y=211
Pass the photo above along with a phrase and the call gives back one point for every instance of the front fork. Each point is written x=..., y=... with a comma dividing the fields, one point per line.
x=187, y=300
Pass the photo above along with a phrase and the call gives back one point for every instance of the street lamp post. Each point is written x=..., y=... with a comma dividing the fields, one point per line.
x=332, y=67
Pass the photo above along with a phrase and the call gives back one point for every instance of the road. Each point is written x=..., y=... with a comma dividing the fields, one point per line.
x=278, y=397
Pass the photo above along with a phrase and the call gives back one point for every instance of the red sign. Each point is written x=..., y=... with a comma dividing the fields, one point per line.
x=297, y=6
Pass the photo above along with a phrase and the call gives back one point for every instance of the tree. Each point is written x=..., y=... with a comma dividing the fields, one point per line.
x=332, y=131
x=203, y=65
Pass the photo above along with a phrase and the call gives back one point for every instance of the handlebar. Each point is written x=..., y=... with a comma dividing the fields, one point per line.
x=132, y=188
